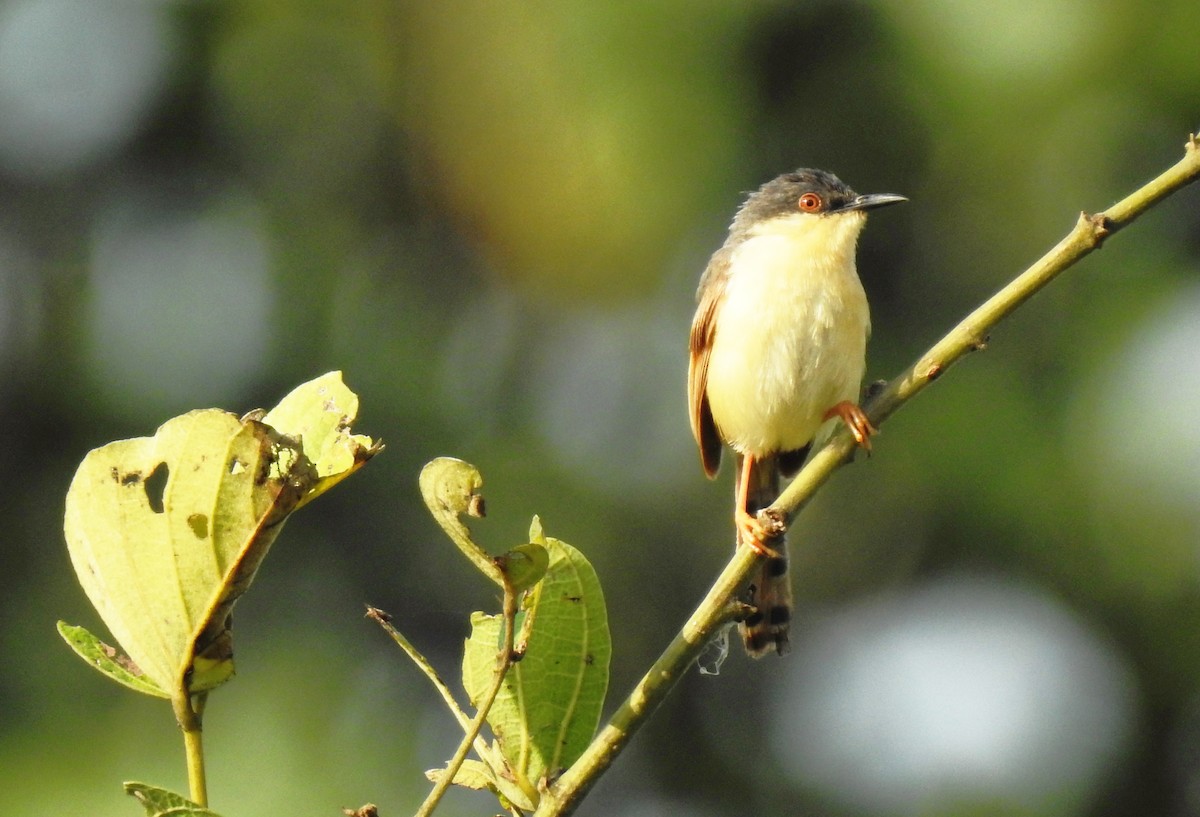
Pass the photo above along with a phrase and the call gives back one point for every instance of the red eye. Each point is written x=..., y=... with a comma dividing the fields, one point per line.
x=810, y=203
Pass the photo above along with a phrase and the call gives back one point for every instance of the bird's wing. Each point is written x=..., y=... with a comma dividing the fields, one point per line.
x=712, y=290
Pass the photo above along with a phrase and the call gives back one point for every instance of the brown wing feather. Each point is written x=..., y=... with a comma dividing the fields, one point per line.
x=712, y=289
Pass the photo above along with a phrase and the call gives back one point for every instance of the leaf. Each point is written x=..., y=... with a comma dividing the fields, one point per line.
x=549, y=706
x=319, y=414
x=163, y=803
x=524, y=566
x=450, y=488
x=166, y=532
x=475, y=774
x=108, y=660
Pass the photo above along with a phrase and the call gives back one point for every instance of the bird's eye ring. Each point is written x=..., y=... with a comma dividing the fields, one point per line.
x=810, y=203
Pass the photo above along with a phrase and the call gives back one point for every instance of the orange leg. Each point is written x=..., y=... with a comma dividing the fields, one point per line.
x=855, y=420
x=751, y=532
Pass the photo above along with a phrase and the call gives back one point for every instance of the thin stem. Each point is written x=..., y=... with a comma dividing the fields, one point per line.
x=385, y=621
x=503, y=662
x=971, y=334
x=193, y=742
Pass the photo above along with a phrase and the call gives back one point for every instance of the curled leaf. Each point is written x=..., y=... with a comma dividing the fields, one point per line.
x=450, y=488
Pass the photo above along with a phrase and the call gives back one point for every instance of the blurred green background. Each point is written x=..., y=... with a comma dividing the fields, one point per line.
x=492, y=218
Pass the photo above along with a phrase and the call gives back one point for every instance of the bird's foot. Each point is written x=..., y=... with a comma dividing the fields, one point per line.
x=855, y=420
x=755, y=532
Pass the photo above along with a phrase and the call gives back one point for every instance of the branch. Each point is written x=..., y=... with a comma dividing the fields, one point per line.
x=971, y=334
x=450, y=488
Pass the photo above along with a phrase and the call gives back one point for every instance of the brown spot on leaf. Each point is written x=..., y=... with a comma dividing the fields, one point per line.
x=198, y=522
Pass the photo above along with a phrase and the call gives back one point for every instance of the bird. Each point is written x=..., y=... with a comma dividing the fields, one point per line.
x=777, y=349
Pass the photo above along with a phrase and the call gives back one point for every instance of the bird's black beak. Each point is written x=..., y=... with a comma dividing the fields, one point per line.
x=872, y=200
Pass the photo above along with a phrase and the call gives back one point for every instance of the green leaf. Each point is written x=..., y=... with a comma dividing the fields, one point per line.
x=549, y=706
x=163, y=803
x=524, y=566
x=166, y=532
x=108, y=660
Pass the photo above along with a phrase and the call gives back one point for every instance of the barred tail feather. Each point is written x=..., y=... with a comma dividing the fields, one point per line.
x=766, y=630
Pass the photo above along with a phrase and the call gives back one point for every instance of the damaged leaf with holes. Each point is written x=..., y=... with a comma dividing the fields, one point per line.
x=166, y=532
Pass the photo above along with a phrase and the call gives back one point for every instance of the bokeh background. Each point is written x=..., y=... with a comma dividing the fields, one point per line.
x=492, y=218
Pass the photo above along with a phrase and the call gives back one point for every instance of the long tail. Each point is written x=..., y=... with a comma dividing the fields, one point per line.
x=766, y=629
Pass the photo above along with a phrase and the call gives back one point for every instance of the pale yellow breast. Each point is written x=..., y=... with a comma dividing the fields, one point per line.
x=791, y=333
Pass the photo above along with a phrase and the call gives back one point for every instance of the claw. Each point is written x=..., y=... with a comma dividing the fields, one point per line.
x=754, y=535
x=855, y=420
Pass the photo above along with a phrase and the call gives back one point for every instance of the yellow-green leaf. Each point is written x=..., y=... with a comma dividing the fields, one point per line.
x=473, y=774
x=549, y=706
x=319, y=414
x=165, y=533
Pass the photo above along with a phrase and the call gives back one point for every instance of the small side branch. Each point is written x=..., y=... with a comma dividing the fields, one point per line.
x=384, y=620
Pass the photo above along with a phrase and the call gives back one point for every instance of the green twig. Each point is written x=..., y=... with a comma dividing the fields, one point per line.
x=503, y=662
x=971, y=334
x=451, y=488
x=188, y=716
x=385, y=621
